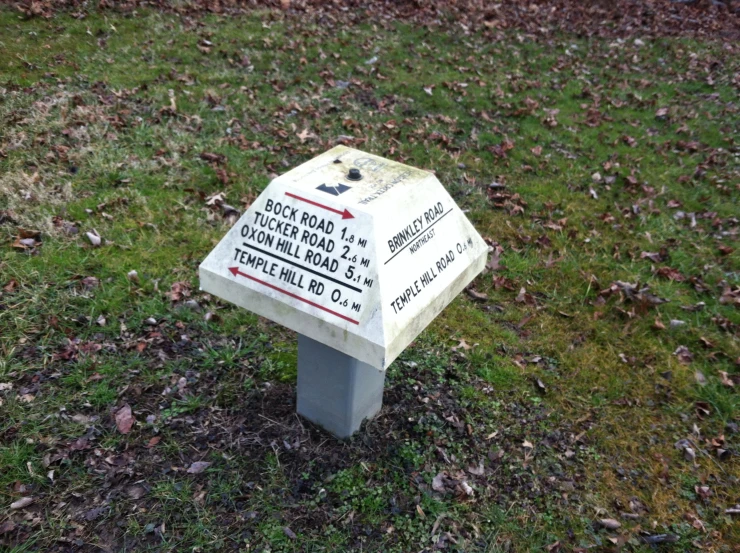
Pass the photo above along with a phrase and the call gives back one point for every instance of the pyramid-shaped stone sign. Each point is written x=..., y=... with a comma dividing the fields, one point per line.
x=352, y=250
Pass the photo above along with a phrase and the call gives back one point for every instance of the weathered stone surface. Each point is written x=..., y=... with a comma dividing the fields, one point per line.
x=335, y=390
x=362, y=266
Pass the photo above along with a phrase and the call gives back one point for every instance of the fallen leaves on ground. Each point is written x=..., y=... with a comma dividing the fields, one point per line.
x=179, y=291
x=452, y=483
x=27, y=240
x=632, y=292
x=620, y=18
x=211, y=157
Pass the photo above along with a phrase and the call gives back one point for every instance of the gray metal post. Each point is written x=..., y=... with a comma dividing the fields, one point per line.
x=336, y=391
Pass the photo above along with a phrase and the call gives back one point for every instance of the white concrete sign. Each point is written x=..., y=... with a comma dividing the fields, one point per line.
x=355, y=251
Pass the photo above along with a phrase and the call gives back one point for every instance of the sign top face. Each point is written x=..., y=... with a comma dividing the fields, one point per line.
x=353, y=250
x=380, y=179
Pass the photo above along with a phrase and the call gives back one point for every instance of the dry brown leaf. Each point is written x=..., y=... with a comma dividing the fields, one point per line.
x=136, y=492
x=610, y=523
x=179, y=291
x=210, y=157
x=524, y=297
x=725, y=379
x=477, y=296
x=438, y=484
x=684, y=355
x=94, y=238
x=22, y=503
x=304, y=135
x=10, y=286
x=124, y=419
x=462, y=345
x=198, y=466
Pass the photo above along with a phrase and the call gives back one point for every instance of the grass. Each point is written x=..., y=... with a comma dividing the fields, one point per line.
x=90, y=140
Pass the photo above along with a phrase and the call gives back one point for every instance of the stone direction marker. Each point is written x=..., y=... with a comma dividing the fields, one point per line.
x=357, y=254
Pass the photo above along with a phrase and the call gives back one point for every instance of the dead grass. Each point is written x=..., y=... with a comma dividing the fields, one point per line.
x=34, y=199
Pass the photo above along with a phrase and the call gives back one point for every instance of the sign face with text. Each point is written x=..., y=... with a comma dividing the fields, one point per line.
x=362, y=266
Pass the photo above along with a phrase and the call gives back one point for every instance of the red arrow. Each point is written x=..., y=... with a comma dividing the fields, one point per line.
x=235, y=271
x=345, y=214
